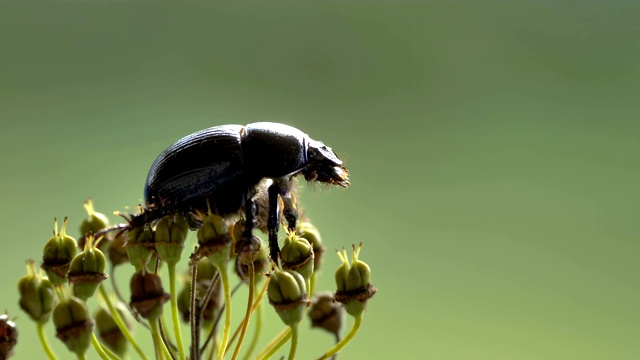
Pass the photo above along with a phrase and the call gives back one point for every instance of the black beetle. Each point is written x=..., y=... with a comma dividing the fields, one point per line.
x=223, y=167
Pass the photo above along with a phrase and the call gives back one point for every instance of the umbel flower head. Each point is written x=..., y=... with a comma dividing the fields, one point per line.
x=147, y=294
x=93, y=223
x=36, y=295
x=139, y=246
x=214, y=239
x=354, y=282
x=308, y=231
x=297, y=255
x=325, y=313
x=170, y=234
x=58, y=253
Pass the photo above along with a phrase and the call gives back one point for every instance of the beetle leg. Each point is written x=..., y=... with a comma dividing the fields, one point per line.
x=273, y=221
x=250, y=211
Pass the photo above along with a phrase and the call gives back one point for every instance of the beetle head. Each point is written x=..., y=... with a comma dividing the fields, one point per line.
x=324, y=165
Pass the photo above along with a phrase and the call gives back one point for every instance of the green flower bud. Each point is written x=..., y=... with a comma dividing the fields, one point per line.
x=214, y=239
x=297, y=254
x=170, y=234
x=73, y=324
x=308, y=231
x=138, y=246
x=86, y=271
x=8, y=336
x=57, y=254
x=287, y=293
x=353, y=282
x=147, y=295
x=109, y=331
x=327, y=314
x=36, y=295
x=93, y=223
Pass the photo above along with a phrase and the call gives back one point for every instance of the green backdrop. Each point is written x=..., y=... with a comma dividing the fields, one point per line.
x=493, y=150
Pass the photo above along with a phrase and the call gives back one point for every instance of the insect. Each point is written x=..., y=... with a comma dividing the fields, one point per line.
x=224, y=167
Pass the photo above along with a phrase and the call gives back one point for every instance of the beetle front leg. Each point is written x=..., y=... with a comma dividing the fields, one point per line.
x=273, y=221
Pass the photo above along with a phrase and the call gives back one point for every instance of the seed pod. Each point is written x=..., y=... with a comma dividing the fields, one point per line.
x=8, y=336
x=214, y=239
x=117, y=251
x=36, y=295
x=327, y=314
x=147, y=295
x=57, y=254
x=73, y=324
x=308, y=231
x=93, y=223
x=139, y=246
x=86, y=271
x=297, y=255
x=353, y=282
x=261, y=261
x=109, y=331
x=170, y=234
x=288, y=294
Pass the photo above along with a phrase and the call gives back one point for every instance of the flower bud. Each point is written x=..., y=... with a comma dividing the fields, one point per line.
x=8, y=336
x=214, y=239
x=93, y=223
x=261, y=261
x=308, y=231
x=325, y=313
x=109, y=331
x=86, y=271
x=36, y=295
x=170, y=234
x=73, y=324
x=297, y=254
x=147, y=295
x=57, y=254
x=138, y=246
x=353, y=282
x=288, y=294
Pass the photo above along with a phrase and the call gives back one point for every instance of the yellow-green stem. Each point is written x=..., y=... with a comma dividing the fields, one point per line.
x=224, y=276
x=294, y=342
x=45, y=344
x=174, y=309
x=354, y=329
x=161, y=348
x=256, y=332
x=121, y=325
x=245, y=325
x=275, y=344
x=81, y=356
x=96, y=345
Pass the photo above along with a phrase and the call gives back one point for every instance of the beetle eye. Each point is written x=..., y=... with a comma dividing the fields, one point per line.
x=310, y=176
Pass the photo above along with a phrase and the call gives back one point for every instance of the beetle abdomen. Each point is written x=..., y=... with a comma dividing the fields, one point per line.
x=205, y=164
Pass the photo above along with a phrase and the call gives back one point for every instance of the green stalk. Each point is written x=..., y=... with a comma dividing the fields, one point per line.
x=256, y=333
x=120, y=323
x=161, y=348
x=245, y=325
x=347, y=339
x=224, y=276
x=45, y=344
x=174, y=309
x=294, y=342
x=96, y=345
x=275, y=344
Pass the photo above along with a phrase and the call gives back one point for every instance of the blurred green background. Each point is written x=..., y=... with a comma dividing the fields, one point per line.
x=493, y=148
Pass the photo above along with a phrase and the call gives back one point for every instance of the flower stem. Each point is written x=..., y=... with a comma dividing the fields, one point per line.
x=121, y=324
x=224, y=276
x=346, y=339
x=174, y=309
x=45, y=344
x=294, y=341
x=96, y=345
x=245, y=325
x=275, y=344
x=161, y=348
x=256, y=333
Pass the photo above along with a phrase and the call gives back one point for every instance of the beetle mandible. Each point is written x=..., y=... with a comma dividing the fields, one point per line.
x=223, y=166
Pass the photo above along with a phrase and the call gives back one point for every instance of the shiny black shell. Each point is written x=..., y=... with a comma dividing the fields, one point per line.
x=223, y=165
